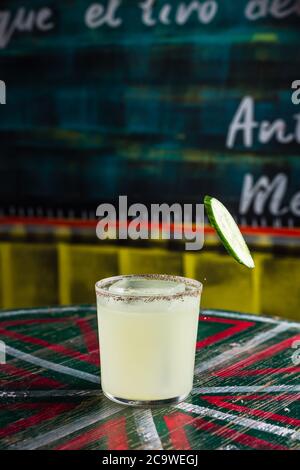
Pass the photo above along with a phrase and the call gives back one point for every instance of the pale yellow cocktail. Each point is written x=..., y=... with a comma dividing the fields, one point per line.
x=147, y=333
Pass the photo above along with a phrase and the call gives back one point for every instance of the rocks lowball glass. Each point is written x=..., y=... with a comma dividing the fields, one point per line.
x=147, y=332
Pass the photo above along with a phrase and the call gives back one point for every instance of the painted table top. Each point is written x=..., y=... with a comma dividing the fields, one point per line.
x=245, y=396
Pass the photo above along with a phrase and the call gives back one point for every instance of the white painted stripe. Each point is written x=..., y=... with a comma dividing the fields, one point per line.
x=240, y=421
x=146, y=430
x=246, y=389
x=237, y=350
x=49, y=393
x=58, y=433
x=244, y=316
x=51, y=365
x=45, y=311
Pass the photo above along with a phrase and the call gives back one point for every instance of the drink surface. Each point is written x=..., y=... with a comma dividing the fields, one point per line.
x=147, y=344
x=140, y=287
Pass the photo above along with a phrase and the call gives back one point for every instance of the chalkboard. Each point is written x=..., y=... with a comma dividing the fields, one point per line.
x=161, y=100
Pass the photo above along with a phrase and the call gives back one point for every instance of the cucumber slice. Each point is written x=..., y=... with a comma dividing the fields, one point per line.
x=228, y=231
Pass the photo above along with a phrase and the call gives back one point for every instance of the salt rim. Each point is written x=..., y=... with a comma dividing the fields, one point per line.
x=194, y=288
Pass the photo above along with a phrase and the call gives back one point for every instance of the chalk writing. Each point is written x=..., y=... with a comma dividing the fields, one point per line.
x=296, y=94
x=244, y=122
x=258, y=9
x=205, y=12
x=97, y=15
x=2, y=92
x=257, y=195
x=150, y=12
x=24, y=21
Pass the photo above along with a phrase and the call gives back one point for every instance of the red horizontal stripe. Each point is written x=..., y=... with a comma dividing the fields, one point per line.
x=81, y=223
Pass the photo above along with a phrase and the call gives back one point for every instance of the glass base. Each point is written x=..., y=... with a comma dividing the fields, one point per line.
x=146, y=403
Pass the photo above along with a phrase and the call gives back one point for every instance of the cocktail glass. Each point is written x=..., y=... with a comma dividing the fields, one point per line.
x=147, y=333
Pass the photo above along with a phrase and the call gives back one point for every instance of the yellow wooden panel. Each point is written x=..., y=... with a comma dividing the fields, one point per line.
x=280, y=286
x=80, y=266
x=29, y=274
x=150, y=261
x=226, y=284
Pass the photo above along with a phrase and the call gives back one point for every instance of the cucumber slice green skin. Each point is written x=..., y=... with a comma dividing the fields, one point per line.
x=230, y=249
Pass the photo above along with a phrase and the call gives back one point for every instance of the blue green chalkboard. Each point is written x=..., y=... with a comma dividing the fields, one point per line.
x=160, y=100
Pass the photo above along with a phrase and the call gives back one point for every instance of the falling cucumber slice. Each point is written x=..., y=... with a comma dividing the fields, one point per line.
x=228, y=231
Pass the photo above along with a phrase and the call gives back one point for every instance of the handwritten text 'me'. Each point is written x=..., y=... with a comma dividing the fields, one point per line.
x=268, y=195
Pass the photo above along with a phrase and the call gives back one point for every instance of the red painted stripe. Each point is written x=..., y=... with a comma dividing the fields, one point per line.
x=250, y=411
x=34, y=379
x=48, y=412
x=82, y=323
x=222, y=335
x=90, y=338
x=270, y=351
x=237, y=436
x=238, y=326
x=176, y=421
x=272, y=232
x=57, y=348
x=8, y=323
x=57, y=222
x=230, y=321
x=19, y=406
x=114, y=431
